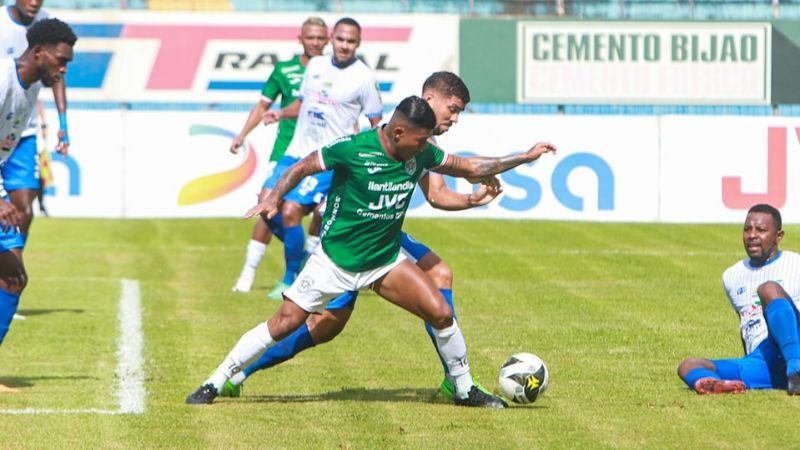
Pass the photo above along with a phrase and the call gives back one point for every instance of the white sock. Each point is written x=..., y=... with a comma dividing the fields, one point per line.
x=453, y=350
x=312, y=242
x=238, y=378
x=250, y=346
x=255, y=252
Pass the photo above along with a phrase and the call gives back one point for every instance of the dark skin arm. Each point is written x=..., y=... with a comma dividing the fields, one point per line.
x=269, y=207
x=60, y=96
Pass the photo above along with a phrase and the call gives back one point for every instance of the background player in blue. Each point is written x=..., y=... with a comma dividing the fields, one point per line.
x=21, y=171
x=336, y=90
x=764, y=290
x=285, y=82
x=49, y=50
x=447, y=95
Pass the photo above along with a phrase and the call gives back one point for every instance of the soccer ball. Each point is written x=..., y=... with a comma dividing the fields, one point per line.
x=523, y=378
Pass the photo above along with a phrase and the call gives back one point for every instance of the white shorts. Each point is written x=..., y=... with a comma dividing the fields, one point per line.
x=321, y=281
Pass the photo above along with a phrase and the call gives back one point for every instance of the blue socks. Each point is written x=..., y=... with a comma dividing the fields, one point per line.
x=448, y=297
x=696, y=374
x=282, y=351
x=276, y=225
x=293, y=249
x=782, y=324
x=8, y=306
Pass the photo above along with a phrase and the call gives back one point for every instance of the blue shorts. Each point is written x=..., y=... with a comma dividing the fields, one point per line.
x=763, y=368
x=11, y=238
x=413, y=248
x=21, y=170
x=346, y=300
x=312, y=189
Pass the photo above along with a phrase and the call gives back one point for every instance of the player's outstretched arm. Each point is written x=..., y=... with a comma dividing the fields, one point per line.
x=291, y=178
x=481, y=167
x=442, y=197
x=252, y=120
x=60, y=96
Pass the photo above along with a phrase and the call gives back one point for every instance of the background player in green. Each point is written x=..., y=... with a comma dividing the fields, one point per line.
x=374, y=174
x=285, y=81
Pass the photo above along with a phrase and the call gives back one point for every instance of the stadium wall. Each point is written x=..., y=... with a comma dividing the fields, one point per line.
x=131, y=158
x=135, y=164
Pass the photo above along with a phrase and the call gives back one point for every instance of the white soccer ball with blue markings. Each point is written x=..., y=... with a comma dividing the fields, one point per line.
x=523, y=378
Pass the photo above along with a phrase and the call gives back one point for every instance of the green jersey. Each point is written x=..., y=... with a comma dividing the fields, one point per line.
x=368, y=199
x=285, y=80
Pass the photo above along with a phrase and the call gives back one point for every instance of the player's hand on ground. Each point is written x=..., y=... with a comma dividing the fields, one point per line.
x=540, y=149
x=236, y=143
x=489, y=190
x=63, y=143
x=271, y=116
x=9, y=216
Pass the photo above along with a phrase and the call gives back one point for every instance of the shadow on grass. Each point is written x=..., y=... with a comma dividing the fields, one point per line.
x=409, y=395
x=26, y=382
x=41, y=312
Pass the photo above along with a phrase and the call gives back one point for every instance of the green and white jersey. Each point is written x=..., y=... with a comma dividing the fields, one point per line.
x=368, y=199
x=285, y=80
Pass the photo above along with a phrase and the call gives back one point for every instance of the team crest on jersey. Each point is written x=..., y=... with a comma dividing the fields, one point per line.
x=411, y=166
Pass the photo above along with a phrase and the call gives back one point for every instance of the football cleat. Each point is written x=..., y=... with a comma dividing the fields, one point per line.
x=204, y=395
x=794, y=384
x=277, y=293
x=448, y=391
x=477, y=397
x=231, y=390
x=711, y=385
x=245, y=281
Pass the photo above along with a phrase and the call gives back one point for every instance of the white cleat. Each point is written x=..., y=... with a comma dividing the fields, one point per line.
x=245, y=281
x=19, y=317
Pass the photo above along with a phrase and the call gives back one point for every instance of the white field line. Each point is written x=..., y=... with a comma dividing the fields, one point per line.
x=130, y=362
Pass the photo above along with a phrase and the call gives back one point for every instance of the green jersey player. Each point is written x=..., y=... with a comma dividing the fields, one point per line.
x=285, y=82
x=373, y=175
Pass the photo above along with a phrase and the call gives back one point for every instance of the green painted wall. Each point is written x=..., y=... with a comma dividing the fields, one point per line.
x=491, y=70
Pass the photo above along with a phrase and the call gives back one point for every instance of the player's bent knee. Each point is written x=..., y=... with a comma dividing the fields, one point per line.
x=442, y=275
x=286, y=320
x=770, y=290
x=441, y=317
x=326, y=326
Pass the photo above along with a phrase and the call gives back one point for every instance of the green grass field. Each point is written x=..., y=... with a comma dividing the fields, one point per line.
x=611, y=308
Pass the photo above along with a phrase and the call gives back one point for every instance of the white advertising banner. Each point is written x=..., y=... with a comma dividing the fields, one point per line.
x=136, y=164
x=713, y=169
x=606, y=168
x=158, y=164
x=134, y=56
x=644, y=62
x=177, y=164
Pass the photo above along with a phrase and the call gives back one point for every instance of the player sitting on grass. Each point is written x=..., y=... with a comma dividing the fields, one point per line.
x=764, y=291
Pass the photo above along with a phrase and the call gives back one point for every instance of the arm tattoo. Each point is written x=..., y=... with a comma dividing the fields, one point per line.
x=479, y=166
x=294, y=174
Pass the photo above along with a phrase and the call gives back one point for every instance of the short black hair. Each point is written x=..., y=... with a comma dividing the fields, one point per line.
x=418, y=112
x=347, y=21
x=50, y=32
x=768, y=209
x=448, y=84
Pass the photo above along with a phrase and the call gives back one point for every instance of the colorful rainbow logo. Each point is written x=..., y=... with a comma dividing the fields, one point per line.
x=209, y=187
